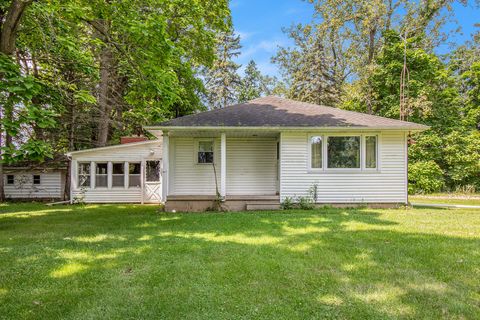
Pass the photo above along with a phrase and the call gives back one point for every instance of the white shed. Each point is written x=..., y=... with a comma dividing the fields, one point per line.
x=33, y=181
x=125, y=173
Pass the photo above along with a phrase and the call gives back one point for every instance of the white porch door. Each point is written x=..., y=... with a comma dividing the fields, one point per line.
x=153, y=181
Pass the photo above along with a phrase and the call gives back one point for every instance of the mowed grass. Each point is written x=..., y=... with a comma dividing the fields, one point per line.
x=133, y=262
x=447, y=198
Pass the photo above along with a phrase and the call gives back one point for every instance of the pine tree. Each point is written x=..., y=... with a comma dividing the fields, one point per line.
x=254, y=84
x=222, y=80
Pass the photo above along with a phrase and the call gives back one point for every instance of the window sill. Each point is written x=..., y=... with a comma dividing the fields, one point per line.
x=342, y=171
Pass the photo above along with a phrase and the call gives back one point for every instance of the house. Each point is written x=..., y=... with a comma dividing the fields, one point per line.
x=257, y=154
x=124, y=173
x=27, y=180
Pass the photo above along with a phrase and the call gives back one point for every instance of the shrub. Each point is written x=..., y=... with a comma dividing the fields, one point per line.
x=425, y=177
x=306, y=203
x=287, y=203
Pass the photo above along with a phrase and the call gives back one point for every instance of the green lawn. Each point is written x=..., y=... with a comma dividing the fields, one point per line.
x=132, y=262
x=447, y=198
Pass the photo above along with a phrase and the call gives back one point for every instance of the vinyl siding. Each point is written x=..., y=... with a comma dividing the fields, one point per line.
x=252, y=166
x=124, y=153
x=186, y=176
x=51, y=185
x=388, y=185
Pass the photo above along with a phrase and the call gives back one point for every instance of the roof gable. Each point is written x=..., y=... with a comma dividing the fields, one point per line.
x=285, y=113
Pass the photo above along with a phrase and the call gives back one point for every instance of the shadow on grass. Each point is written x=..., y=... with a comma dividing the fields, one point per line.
x=131, y=261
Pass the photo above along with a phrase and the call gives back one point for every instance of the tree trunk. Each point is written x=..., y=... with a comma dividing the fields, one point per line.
x=8, y=35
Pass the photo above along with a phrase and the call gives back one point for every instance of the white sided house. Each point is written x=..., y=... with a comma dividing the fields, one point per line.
x=125, y=173
x=257, y=154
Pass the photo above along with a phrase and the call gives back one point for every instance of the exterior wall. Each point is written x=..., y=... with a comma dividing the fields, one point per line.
x=186, y=176
x=251, y=167
x=52, y=185
x=386, y=185
x=121, y=153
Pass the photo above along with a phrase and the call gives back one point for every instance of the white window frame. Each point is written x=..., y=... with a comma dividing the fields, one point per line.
x=197, y=150
x=79, y=164
x=122, y=163
x=364, y=152
x=343, y=169
x=103, y=174
x=134, y=174
x=361, y=169
x=309, y=150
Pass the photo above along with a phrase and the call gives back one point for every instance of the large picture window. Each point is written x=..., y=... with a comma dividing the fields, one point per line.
x=371, y=152
x=316, y=152
x=343, y=152
x=101, y=175
x=118, y=174
x=84, y=175
x=205, y=152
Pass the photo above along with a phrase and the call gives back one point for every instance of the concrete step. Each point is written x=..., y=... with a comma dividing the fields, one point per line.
x=256, y=206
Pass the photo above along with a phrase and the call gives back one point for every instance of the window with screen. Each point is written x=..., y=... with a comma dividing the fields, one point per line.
x=36, y=179
x=205, y=152
x=101, y=175
x=84, y=175
x=153, y=171
x=134, y=171
x=10, y=179
x=118, y=174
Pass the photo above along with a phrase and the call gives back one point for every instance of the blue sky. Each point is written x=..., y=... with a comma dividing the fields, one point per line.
x=260, y=22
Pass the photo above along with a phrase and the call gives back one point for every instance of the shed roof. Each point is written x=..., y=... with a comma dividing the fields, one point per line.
x=279, y=112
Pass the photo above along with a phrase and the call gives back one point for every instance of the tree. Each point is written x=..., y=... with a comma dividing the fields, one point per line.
x=254, y=84
x=222, y=79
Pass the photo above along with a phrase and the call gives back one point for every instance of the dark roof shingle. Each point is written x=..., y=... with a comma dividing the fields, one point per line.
x=273, y=111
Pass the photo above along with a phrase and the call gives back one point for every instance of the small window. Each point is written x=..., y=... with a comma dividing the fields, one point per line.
x=134, y=170
x=118, y=174
x=36, y=179
x=10, y=179
x=153, y=171
x=205, y=152
x=343, y=152
x=371, y=152
x=101, y=175
x=316, y=152
x=84, y=175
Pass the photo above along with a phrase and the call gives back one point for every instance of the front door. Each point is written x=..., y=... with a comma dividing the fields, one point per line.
x=153, y=181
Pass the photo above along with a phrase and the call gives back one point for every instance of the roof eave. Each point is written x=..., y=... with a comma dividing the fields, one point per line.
x=69, y=154
x=418, y=128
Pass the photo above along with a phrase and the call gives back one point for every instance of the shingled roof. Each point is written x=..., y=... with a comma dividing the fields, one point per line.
x=278, y=112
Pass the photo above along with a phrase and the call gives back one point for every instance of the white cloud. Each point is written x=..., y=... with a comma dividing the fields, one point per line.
x=267, y=46
x=244, y=35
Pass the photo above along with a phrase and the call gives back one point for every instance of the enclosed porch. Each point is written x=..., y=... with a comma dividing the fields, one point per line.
x=238, y=170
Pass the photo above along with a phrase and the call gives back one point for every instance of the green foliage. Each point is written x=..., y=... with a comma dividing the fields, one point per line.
x=287, y=203
x=23, y=114
x=425, y=177
x=305, y=203
x=254, y=84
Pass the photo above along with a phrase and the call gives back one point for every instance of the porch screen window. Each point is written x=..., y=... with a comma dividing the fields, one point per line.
x=316, y=152
x=153, y=171
x=343, y=152
x=84, y=175
x=205, y=152
x=370, y=152
x=10, y=179
x=36, y=179
x=118, y=174
x=134, y=174
x=101, y=175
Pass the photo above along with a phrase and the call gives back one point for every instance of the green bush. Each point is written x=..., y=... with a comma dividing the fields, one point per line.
x=425, y=177
x=306, y=203
x=287, y=203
